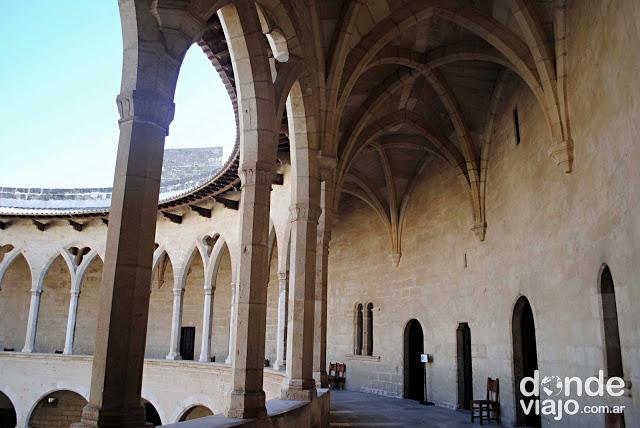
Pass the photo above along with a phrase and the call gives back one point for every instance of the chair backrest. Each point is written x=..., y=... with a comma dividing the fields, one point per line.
x=342, y=369
x=332, y=369
x=493, y=389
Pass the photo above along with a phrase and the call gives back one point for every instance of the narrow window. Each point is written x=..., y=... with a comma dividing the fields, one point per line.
x=358, y=330
x=369, y=329
x=516, y=125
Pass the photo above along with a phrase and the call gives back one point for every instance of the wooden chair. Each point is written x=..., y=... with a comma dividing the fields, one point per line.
x=336, y=375
x=489, y=408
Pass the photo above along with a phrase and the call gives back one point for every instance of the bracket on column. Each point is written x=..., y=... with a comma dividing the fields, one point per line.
x=76, y=226
x=40, y=225
x=228, y=203
x=4, y=225
x=204, y=212
x=175, y=218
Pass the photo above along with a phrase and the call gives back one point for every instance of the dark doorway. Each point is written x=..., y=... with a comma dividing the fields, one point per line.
x=7, y=412
x=465, y=377
x=151, y=415
x=613, y=354
x=525, y=357
x=187, y=342
x=413, y=368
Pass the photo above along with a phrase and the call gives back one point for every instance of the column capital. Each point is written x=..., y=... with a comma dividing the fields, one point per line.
x=36, y=293
x=283, y=276
x=252, y=173
x=178, y=292
x=305, y=212
x=328, y=166
x=146, y=106
x=209, y=290
x=74, y=293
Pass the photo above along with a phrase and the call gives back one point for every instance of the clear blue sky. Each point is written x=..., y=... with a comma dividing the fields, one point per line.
x=59, y=76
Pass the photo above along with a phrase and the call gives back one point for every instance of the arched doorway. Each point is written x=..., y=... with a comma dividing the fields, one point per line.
x=525, y=357
x=7, y=412
x=413, y=368
x=196, y=412
x=613, y=351
x=151, y=415
x=59, y=408
x=465, y=377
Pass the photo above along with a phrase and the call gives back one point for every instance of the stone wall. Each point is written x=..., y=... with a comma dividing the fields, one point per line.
x=88, y=304
x=66, y=410
x=14, y=304
x=54, y=308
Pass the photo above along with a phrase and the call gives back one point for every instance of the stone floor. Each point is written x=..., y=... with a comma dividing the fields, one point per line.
x=357, y=409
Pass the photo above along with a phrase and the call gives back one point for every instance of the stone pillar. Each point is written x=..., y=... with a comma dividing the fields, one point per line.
x=327, y=219
x=205, y=350
x=320, y=320
x=259, y=128
x=71, y=321
x=176, y=324
x=232, y=322
x=283, y=285
x=32, y=322
x=304, y=219
x=151, y=62
x=247, y=399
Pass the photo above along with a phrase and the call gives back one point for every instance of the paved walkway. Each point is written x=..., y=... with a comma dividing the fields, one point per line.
x=357, y=409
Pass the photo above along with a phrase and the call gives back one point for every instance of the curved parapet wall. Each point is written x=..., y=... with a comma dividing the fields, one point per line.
x=172, y=387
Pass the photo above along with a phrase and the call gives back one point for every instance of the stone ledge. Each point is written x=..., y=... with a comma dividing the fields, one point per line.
x=374, y=358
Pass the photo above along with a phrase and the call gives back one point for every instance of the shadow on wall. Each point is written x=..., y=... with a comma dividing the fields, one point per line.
x=7, y=412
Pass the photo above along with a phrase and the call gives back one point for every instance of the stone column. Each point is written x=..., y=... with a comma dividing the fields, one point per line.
x=326, y=222
x=149, y=74
x=259, y=128
x=176, y=324
x=304, y=219
x=320, y=320
x=283, y=285
x=205, y=350
x=232, y=322
x=32, y=322
x=71, y=321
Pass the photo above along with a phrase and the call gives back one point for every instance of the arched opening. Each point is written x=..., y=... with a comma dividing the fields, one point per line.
x=57, y=409
x=413, y=367
x=7, y=412
x=151, y=415
x=88, y=302
x=54, y=308
x=192, y=303
x=525, y=358
x=160, y=309
x=273, y=292
x=465, y=376
x=369, y=334
x=14, y=304
x=196, y=412
x=613, y=352
x=221, y=316
x=358, y=330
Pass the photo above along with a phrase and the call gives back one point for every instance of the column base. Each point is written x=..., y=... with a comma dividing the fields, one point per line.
x=173, y=356
x=246, y=405
x=321, y=379
x=204, y=359
x=26, y=350
x=279, y=366
x=299, y=390
x=94, y=417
